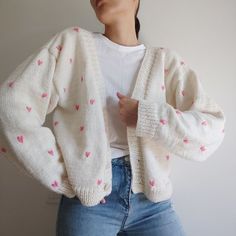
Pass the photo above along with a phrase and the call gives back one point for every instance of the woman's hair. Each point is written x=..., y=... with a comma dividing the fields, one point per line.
x=137, y=23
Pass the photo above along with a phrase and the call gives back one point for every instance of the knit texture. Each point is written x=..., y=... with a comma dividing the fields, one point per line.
x=175, y=118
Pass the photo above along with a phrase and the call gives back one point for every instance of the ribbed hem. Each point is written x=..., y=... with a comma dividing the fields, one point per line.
x=160, y=195
x=163, y=192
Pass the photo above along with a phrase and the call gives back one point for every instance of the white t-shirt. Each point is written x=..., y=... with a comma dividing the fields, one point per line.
x=119, y=66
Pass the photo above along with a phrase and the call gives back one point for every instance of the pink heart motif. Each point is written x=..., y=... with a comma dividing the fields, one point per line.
x=3, y=149
x=76, y=29
x=20, y=138
x=56, y=123
x=81, y=128
x=99, y=181
x=10, y=84
x=163, y=122
x=204, y=122
x=55, y=184
x=51, y=152
x=28, y=108
x=186, y=140
x=152, y=182
x=40, y=62
x=44, y=95
x=87, y=154
x=59, y=48
x=92, y=101
x=203, y=148
x=77, y=107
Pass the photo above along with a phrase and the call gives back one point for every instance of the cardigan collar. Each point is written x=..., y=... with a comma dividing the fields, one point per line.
x=143, y=72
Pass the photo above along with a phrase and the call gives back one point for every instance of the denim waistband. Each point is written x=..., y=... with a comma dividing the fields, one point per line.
x=124, y=160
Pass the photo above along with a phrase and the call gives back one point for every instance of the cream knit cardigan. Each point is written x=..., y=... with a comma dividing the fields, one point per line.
x=175, y=118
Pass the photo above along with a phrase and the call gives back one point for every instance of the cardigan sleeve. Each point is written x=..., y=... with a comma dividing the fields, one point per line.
x=26, y=97
x=192, y=126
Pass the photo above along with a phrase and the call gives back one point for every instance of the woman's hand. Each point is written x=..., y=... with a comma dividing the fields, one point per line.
x=128, y=109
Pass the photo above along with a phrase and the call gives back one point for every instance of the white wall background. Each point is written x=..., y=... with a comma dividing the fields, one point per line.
x=204, y=33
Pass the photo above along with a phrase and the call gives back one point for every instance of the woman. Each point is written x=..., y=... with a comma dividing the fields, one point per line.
x=86, y=78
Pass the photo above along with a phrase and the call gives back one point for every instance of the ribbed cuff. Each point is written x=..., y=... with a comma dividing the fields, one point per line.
x=92, y=196
x=148, y=118
x=66, y=189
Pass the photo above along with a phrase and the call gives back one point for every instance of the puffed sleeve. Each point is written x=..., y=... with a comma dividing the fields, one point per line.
x=26, y=97
x=192, y=126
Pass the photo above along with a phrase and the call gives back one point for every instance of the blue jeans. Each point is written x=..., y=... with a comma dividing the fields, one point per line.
x=123, y=212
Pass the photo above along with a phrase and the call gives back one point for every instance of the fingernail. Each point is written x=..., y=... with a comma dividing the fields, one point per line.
x=103, y=200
